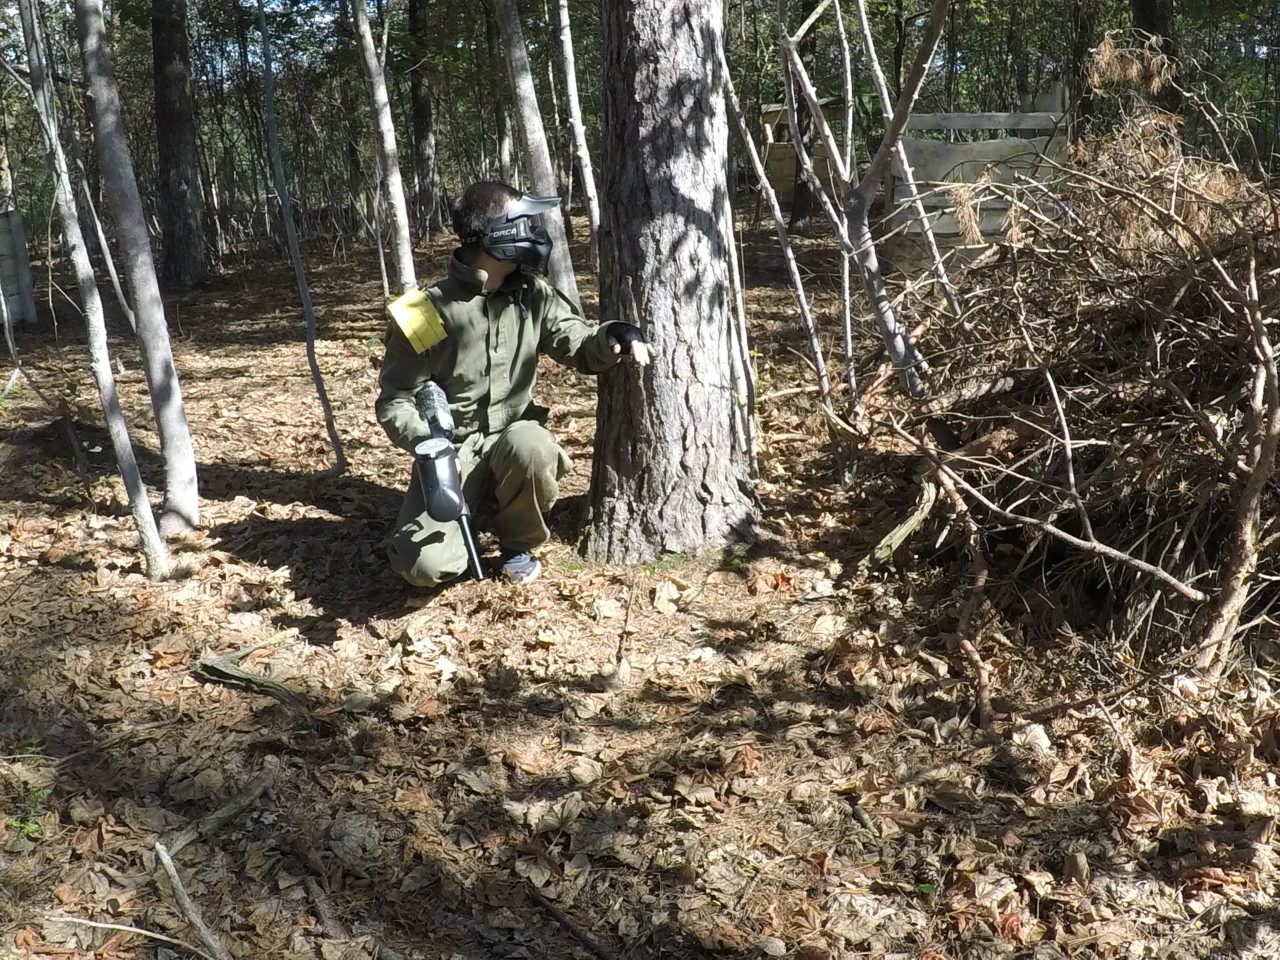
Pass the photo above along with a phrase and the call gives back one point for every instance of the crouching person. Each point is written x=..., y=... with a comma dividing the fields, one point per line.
x=478, y=334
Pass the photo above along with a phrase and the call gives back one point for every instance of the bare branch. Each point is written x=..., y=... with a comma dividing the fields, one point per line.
x=1088, y=546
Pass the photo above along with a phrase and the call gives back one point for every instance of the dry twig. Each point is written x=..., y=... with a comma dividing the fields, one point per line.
x=228, y=812
x=137, y=931
x=211, y=942
x=570, y=927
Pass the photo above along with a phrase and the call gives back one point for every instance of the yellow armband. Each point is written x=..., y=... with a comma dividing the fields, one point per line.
x=418, y=319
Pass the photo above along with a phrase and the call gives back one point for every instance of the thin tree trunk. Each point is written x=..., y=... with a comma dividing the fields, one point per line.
x=899, y=45
x=153, y=549
x=351, y=126
x=588, y=178
x=1019, y=58
x=184, y=259
x=780, y=225
x=182, y=499
x=532, y=133
x=663, y=480
x=108, y=260
x=388, y=155
x=846, y=286
x=744, y=369
x=426, y=196
x=802, y=192
x=508, y=170
x=25, y=295
x=906, y=360
x=1223, y=619
x=291, y=237
x=909, y=179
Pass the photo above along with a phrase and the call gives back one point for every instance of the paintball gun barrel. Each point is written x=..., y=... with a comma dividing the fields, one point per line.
x=437, y=464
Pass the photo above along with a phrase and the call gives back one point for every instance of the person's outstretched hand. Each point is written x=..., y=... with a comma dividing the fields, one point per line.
x=629, y=337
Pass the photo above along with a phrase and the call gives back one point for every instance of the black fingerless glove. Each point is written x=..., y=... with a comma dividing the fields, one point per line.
x=622, y=335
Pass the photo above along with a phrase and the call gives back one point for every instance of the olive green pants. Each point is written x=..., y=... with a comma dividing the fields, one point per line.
x=520, y=468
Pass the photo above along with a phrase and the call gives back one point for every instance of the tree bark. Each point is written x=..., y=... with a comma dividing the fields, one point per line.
x=424, y=134
x=670, y=472
x=24, y=297
x=388, y=154
x=184, y=258
x=153, y=549
x=1155, y=17
x=588, y=177
x=182, y=500
x=899, y=44
x=537, y=155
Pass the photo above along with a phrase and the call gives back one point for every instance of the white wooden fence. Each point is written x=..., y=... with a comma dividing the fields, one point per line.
x=937, y=164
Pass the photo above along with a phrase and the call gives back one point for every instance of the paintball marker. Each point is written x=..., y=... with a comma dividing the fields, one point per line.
x=437, y=464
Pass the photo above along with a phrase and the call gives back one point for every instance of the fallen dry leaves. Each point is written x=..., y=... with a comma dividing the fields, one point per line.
x=781, y=762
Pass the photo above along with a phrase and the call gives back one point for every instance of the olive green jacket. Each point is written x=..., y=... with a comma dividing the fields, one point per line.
x=487, y=362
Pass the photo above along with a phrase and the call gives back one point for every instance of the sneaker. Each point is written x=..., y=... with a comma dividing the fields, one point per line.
x=521, y=567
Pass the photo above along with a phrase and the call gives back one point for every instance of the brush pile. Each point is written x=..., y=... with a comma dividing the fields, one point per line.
x=1113, y=377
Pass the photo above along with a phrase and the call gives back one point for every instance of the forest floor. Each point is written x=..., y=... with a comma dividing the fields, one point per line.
x=762, y=753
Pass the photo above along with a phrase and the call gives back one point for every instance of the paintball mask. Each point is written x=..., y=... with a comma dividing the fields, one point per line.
x=515, y=238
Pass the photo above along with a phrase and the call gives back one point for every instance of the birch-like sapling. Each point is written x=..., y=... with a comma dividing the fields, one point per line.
x=153, y=548
x=537, y=154
x=295, y=251
x=181, y=509
x=388, y=154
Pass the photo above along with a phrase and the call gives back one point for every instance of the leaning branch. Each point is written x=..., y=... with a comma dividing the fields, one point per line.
x=784, y=241
x=910, y=92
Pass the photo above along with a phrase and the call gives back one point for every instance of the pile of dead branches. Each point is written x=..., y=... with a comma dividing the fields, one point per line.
x=1114, y=387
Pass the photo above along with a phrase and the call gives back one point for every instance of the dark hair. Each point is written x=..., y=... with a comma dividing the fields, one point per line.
x=480, y=203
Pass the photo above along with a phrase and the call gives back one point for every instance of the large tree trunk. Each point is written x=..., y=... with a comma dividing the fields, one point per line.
x=1083, y=41
x=1155, y=17
x=424, y=133
x=579, y=129
x=537, y=156
x=670, y=472
x=508, y=171
x=153, y=549
x=182, y=501
x=388, y=154
x=1158, y=18
x=184, y=258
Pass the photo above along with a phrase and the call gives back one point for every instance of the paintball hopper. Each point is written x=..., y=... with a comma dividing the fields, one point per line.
x=515, y=238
